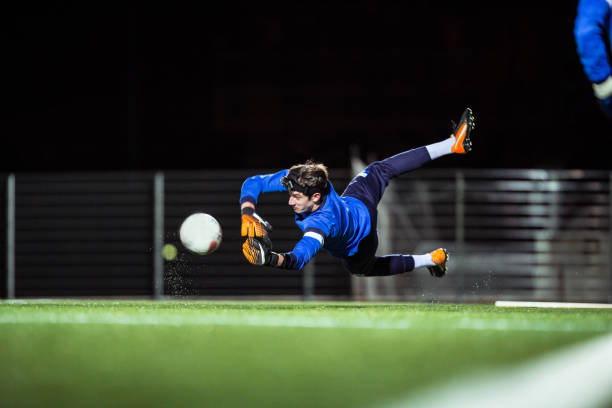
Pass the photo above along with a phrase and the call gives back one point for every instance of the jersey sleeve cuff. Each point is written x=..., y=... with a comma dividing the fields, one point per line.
x=290, y=261
x=248, y=199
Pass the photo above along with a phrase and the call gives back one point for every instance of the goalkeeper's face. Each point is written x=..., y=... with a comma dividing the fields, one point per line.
x=301, y=203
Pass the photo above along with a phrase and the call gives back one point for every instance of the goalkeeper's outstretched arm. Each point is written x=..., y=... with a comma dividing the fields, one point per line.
x=256, y=185
x=258, y=251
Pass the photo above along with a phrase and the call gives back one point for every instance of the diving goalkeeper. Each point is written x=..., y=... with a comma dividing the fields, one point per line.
x=344, y=225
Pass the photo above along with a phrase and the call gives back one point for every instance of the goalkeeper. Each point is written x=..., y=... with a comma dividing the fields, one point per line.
x=344, y=225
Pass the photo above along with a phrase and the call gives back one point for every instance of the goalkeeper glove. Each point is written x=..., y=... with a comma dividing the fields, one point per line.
x=259, y=252
x=253, y=225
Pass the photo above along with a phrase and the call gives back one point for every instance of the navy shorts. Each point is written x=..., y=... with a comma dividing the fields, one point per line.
x=368, y=187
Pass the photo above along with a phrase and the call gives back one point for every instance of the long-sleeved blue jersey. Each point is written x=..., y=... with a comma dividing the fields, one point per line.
x=592, y=26
x=338, y=225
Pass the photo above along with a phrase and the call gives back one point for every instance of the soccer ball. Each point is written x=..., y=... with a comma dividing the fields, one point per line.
x=201, y=233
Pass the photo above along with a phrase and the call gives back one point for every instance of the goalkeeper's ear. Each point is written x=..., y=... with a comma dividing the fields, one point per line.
x=316, y=197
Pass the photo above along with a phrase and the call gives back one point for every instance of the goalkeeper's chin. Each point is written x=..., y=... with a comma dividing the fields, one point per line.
x=301, y=211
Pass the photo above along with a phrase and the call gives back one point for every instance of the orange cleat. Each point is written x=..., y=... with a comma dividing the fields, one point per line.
x=440, y=258
x=462, y=131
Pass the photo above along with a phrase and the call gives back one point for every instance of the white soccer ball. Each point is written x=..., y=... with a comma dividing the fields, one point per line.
x=201, y=233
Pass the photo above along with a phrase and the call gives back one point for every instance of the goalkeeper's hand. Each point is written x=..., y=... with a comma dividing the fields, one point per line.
x=253, y=225
x=258, y=251
x=603, y=90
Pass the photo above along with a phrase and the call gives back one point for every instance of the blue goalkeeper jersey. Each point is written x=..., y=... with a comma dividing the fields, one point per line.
x=338, y=225
x=593, y=34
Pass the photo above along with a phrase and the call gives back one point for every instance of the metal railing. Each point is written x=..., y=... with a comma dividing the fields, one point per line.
x=512, y=234
x=101, y=234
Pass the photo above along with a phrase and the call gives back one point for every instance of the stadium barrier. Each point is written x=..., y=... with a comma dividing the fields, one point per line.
x=516, y=234
x=94, y=234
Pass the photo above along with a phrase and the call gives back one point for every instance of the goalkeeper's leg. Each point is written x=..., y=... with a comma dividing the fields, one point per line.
x=435, y=261
x=369, y=186
x=459, y=142
x=365, y=263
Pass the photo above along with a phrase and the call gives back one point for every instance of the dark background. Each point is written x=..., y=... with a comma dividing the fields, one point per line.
x=241, y=85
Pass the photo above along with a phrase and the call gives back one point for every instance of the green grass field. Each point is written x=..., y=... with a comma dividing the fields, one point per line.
x=264, y=354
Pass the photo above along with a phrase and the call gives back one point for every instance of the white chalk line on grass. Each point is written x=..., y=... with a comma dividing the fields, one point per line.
x=555, y=305
x=275, y=320
x=579, y=376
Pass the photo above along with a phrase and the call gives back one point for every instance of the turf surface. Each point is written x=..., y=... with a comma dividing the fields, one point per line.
x=263, y=354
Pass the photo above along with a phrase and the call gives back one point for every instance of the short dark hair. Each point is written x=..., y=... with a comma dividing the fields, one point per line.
x=310, y=174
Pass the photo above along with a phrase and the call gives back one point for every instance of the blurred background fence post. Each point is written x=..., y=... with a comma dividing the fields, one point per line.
x=10, y=236
x=459, y=219
x=158, y=235
x=361, y=289
x=309, y=280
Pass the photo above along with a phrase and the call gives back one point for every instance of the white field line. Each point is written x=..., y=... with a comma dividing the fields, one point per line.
x=161, y=318
x=510, y=303
x=579, y=376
